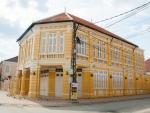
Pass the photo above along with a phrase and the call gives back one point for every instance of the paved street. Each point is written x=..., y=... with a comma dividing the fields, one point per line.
x=132, y=106
x=11, y=105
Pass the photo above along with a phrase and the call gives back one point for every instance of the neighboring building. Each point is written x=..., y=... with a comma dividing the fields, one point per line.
x=108, y=65
x=8, y=71
x=147, y=66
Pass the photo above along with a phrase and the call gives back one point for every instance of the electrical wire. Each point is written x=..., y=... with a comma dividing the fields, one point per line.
x=146, y=4
x=127, y=16
x=141, y=32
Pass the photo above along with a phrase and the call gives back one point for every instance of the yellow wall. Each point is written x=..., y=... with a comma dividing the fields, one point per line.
x=87, y=85
x=51, y=86
x=66, y=85
x=86, y=61
x=34, y=83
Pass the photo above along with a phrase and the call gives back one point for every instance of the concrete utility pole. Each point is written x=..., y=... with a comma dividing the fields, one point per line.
x=73, y=62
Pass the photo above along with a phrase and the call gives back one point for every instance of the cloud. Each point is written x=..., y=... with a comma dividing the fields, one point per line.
x=17, y=15
x=12, y=11
x=8, y=47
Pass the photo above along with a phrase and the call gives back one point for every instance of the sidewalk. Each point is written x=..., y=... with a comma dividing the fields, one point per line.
x=5, y=100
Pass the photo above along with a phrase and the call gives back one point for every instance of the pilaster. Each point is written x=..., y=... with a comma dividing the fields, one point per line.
x=34, y=83
x=17, y=83
x=66, y=84
x=25, y=82
x=126, y=89
x=110, y=88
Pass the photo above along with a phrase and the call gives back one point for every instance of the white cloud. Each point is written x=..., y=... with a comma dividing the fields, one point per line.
x=13, y=12
x=16, y=13
x=8, y=47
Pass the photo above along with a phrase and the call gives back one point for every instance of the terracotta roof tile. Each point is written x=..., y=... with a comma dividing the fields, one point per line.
x=56, y=18
x=69, y=17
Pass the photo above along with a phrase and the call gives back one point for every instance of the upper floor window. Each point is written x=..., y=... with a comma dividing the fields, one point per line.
x=128, y=57
x=81, y=47
x=60, y=43
x=100, y=50
x=115, y=54
x=43, y=43
x=7, y=70
x=52, y=43
x=95, y=50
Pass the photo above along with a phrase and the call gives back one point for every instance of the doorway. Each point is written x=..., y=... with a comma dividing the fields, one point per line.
x=58, y=84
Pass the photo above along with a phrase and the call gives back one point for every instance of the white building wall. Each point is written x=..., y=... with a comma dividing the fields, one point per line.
x=8, y=69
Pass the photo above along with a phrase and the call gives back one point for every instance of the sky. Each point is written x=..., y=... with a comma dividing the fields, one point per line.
x=17, y=15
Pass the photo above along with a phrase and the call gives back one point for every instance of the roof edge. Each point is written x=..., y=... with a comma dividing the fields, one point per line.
x=36, y=23
x=111, y=35
x=72, y=20
x=13, y=59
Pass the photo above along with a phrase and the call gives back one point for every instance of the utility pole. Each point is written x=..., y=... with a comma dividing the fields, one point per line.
x=73, y=63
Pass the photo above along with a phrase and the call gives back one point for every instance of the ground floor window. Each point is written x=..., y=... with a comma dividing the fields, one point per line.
x=100, y=80
x=117, y=80
x=130, y=81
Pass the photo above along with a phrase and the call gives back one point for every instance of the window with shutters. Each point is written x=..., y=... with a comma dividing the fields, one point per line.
x=60, y=43
x=7, y=69
x=52, y=43
x=128, y=57
x=43, y=43
x=130, y=81
x=81, y=47
x=115, y=54
x=100, y=51
x=117, y=80
x=100, y=80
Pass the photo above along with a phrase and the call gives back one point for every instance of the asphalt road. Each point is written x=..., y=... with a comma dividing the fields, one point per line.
x=131, y=106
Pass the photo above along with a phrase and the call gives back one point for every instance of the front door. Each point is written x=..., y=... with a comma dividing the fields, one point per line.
x=79, y=81
x=44, y=84
x=59, y=84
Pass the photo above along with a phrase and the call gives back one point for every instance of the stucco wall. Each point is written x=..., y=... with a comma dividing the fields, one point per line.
x=11, y=69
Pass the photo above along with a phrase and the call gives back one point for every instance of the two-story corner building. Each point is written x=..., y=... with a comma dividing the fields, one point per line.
x=107, y=65
x=8, y=71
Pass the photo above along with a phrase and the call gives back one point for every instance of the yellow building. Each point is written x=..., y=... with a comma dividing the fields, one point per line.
x=107, y=65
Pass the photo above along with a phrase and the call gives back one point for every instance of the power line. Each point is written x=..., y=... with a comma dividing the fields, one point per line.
x=140, y=33
x=146, y=4
x=127, y=16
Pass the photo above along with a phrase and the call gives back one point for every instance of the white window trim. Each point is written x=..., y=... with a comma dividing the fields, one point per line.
x=58, y=47
x=81, y=48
